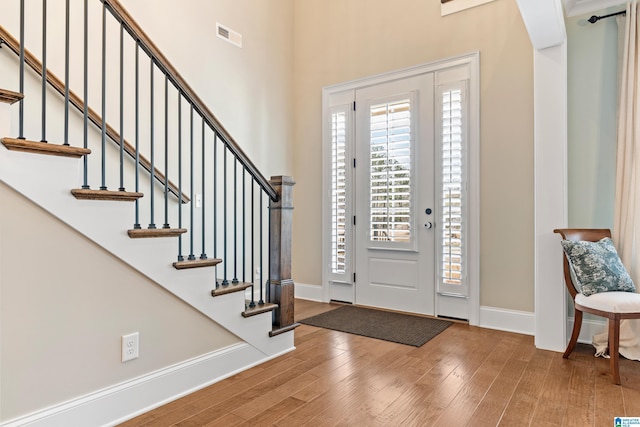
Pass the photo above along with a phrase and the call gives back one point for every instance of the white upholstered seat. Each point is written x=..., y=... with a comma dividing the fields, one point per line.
x=615, y=302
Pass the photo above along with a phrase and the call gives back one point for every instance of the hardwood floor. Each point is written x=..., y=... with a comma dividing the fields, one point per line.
x=466, y=376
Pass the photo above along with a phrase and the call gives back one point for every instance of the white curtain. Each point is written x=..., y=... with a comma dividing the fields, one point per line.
x=626, y=226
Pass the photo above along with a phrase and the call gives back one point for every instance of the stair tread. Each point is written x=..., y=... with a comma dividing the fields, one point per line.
x=122, y=196
x=196, y=263
x=140, y=233
x=230, y=288
x=282, y=330
x=38, y=147
x=9, y=96
x=259, y=309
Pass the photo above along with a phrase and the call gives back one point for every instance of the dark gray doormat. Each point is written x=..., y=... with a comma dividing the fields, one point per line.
x=383, y=325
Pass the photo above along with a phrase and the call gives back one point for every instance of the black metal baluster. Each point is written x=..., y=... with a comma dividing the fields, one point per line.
x=121, y=188
x=191, y=255
x=203, y=200
x=44, y=71
x=66, y=73
x=225, y=282
x=253, y=279
x=166, y=152
x=261, y=301
x=152, y=137
x=103, y=185
x=85, y=110
x=215, y=199
x=244, y=229
x=21, y=102
x=137, y=136
x=235, y=221
x=268, y=284
x=180, y=256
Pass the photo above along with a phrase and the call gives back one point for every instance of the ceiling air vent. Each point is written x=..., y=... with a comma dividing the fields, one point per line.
x=229, y=35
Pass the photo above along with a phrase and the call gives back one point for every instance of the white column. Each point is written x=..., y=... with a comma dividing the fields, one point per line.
x=550, y=169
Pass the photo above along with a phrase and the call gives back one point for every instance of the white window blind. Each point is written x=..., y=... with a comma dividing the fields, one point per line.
x=452, y=230
x=390, y=172
x=338, y=192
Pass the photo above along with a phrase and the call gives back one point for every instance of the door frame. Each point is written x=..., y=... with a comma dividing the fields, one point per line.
x=472, y=60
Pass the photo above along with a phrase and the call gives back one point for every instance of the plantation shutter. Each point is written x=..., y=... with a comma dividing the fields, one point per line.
x=452, y=207
x=341, y=217
x=390, y=163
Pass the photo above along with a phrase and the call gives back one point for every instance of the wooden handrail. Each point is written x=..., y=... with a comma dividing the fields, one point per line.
x=13, y=44
x=129, y=24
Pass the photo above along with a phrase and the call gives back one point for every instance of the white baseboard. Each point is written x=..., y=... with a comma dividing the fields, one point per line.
x=124, y=401
x=588, y=330
x=309, y=292
x=521, y=322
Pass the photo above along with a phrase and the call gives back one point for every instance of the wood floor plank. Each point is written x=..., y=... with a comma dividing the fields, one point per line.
x=631, y=395
x=552, y=403
x=468, y=357
x=261, y=406
x=579, y=410
x=278, y=411
x=466, y=376
x=608, y=396
x=464, y=404
x=493, y=404
x=525, y=397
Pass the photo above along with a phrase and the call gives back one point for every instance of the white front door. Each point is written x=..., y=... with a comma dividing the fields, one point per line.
x=394, y=193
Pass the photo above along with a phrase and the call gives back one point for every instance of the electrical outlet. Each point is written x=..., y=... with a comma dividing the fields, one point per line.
x=198, y=200
x=130, y=348
x=257, y=275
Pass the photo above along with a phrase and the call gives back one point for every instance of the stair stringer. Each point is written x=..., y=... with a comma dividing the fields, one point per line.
x=106, y=223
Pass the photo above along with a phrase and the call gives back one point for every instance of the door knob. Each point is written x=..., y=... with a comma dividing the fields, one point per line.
x=429, y=225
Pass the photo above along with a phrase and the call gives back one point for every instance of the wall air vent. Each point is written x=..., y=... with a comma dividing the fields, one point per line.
x=227, y=34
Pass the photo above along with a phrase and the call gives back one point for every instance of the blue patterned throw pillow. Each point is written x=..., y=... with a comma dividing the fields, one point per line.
x=597, y=266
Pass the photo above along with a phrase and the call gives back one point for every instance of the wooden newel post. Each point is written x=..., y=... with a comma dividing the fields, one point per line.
x=280, y=282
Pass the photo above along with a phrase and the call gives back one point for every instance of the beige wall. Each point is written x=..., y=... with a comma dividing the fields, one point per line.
x=64, y=305
x=338, y=41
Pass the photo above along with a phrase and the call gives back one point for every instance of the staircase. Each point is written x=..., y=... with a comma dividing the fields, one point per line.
x=206, y=224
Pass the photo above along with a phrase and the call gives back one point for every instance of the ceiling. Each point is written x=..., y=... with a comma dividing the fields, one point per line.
x=580, y=7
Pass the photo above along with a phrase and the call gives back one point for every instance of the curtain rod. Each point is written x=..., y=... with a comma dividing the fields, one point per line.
x=595, y=18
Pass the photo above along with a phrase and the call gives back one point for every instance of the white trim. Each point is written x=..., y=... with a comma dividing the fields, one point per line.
x=441, y=64
x=550, y=194
x=521, y=322
x=310, y=292
x=544, y=21
x=459, y=5
x=590, y=327
x=116, y=404
x=472, y=60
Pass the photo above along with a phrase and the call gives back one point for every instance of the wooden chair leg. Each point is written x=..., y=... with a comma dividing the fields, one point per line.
x=614, y=343
x=577, y=324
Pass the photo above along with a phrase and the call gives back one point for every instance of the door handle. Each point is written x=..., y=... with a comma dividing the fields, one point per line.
x=429, y=225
